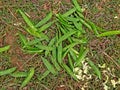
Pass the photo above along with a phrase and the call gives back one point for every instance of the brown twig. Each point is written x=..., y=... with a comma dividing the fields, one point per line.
x=111, y=59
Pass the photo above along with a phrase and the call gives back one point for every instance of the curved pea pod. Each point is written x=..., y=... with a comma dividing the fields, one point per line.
x=95, y=68
x=43, y=21
x=19, y=74
x=28, y=78
x=5, y=48
x=8, y=71
x=109, y=33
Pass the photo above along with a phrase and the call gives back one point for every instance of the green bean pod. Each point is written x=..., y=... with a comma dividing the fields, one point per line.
x=28, y=78
x=8, y=71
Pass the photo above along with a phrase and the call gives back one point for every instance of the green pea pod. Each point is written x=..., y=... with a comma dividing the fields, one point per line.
x=44, y=27
x=32, y=32
x=108, y=33
x=73, y=55
x=65, y=36
x=43, y=47
x=95, y=68
x=27, y=20
x=49, y=66
x=64, y=31
x=28, y=78
x=66, y=14
x=77, y=6
x=81, y=57
x=72, y=19
x=43, y=21
x=42, y=76
x=8, y=71
x=55, y=63
x=5, y=48
x=51, y=44
x=78, y=25
x=59, y=53
x=85, y=23
x=70, y=62
x=23, y=39
x=70, y=46
x=19, y=74
x=69, y=71
x=94, y=27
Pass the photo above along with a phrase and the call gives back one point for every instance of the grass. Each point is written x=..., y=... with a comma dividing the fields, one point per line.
x=39, y=47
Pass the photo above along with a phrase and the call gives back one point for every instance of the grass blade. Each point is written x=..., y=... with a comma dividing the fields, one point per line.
x=95, y=68
x=45, y=74
x=5, y=48
x=49, y=66
x=43, y=21
x=108, y=33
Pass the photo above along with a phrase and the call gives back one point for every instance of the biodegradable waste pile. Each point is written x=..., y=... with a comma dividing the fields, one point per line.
x=65, y=50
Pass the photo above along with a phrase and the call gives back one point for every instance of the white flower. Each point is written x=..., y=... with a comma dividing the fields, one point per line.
x=105, y=87
x=102, y=66
x=113, y=83
x=116, y=17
